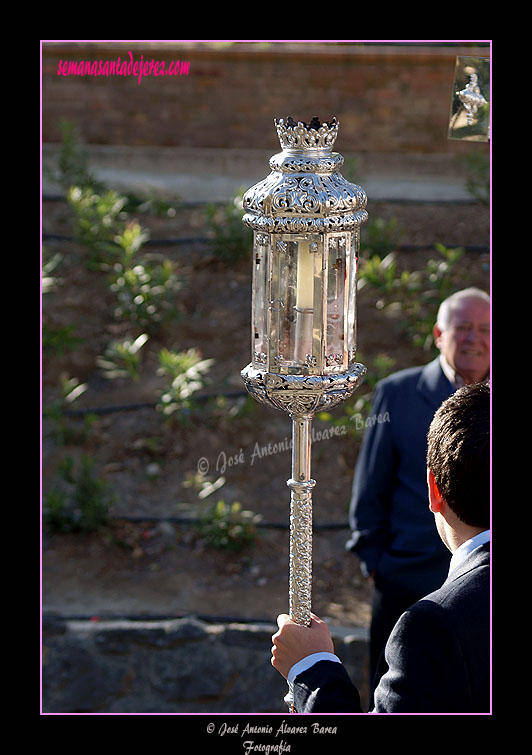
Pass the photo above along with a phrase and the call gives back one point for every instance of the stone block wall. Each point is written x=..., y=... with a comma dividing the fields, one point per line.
x=388, y=98
x=172, y=666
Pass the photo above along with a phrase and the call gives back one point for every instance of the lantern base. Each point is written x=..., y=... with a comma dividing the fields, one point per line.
x=302, y=395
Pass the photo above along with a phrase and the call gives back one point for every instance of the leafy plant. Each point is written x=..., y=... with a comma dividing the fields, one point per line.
x=186, y=371
x=228, y=527
x=379, y=236
x=62, y=430
x=72, y=163
x=98, y=219
x=49, y=265
x=145, y=293
x=202, y=484
x=379, y=272
x=55, y=339
x=59, y=339
x=122, y=359
x=124, y=245
x=156, y=206
x=145, y=290
x=129, y=241
x=418, y=293
x=231, y=239
x=73, y=170
x=80, y=502
x=227, y=410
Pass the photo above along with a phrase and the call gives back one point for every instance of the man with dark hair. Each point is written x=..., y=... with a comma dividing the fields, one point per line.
x=437, y=659
x=458, y=444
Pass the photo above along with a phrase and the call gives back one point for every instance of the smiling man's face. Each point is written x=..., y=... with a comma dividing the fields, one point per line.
x=465, y=342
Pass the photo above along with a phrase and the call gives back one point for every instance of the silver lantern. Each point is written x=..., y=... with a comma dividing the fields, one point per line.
x=306, y=220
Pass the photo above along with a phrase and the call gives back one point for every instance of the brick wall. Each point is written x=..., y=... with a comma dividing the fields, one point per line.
x=388, y=98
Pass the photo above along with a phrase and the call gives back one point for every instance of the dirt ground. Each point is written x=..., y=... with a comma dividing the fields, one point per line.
x=154, y=563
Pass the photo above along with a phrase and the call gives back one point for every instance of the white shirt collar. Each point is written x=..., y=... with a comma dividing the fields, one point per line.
x=465, y=549
x=452, y=376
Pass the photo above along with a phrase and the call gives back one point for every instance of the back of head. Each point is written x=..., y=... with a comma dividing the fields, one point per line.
x=459, y=453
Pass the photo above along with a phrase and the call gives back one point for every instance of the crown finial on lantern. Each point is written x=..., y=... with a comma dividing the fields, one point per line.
x=300, y=135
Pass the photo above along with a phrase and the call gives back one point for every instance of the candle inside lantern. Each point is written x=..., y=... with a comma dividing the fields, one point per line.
x=305, y=276
x=304, y=301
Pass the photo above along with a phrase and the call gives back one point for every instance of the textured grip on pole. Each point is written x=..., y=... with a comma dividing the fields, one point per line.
x=300, y=579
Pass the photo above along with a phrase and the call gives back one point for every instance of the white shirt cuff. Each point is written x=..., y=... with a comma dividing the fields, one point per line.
x=309, y=661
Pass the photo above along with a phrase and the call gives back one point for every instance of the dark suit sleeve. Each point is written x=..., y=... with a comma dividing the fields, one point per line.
x=372, y=486
x=326, y=688
x=426, y=665
x=427, y=672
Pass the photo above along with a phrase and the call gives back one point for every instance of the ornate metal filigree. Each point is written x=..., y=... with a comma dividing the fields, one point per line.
x=301, y=163
x=302, y=395
x=301, y=224
x=300, y=136
x=334, y=359
x=300, y=565
x=295, y=194
x=305, y=192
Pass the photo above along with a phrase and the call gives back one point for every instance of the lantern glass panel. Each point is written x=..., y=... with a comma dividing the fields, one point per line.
x=260, y=298
x=335, y=356
x=296, y=304
x=351, y=308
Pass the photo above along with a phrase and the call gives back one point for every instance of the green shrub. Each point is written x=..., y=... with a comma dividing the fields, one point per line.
x=379, y=236
x=80, y=502
x=228, y=527
x=72, y=163
x=418, y=293
x=231, y=239
x=122, y=359
x=63, y=430
x=98, y=219
x=186, y=371
x=145, y=293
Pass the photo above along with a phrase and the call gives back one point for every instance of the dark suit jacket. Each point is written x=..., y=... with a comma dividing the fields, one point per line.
x=437, y=657
x=393, y=531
